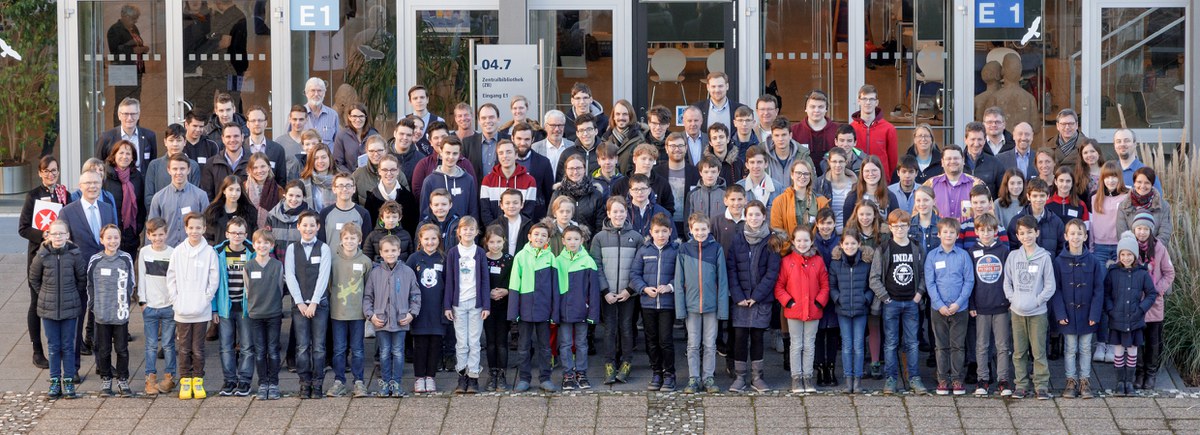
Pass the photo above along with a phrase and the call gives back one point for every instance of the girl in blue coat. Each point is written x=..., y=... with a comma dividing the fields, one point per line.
x=1128, y=294
x=1077, y=304
x=849, y=272
x=825, y=240
x=755, y=265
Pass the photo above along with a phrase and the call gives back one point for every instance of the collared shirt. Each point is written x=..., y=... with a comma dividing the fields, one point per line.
x=134, y=139
x=1127, y=174
x=719, y=113
x=324, y=122
x=729, y=216
x=1023, y=161
x=952, y=198
x=514, y=227
x=695, y=147
x=257, y=147
x=554, y=152
x=488, y=148
x=995, y=147
x=173, y=203
x=233, y=161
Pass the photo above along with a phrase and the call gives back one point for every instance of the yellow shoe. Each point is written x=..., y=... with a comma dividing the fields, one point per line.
x=185, y=388
x=198, y=388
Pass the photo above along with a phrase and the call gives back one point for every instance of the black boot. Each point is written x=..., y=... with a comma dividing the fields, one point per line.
x=1139, y=375
x=831, y=373
x=1056, y=348
x=1153, y=358
x=39, y=358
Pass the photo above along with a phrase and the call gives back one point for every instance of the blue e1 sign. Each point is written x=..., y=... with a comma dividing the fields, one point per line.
x=1000, y=14
x=308, y=15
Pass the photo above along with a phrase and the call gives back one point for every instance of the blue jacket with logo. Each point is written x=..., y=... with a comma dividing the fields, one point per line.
x=988, y=296
x=652, y=267
x=701, y=279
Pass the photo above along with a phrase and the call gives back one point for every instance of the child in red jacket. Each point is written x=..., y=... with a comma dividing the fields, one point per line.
x=803, y=291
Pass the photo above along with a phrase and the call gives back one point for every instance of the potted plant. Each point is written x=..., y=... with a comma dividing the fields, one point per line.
x=29, y=101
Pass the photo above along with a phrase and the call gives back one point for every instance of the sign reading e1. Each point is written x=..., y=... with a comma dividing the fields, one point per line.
x=310, y=15
x=1000, y=14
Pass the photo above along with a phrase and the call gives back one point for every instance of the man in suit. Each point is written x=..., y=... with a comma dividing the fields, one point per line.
x=145, y=143
x=85, y=218
x=256, y=122
x=1021, y=156
x=480, y=148
x=693, y=133
x=717, y=107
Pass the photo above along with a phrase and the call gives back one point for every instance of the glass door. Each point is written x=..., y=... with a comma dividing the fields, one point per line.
x=437, y=37
x=226, y=50
x=1135, y=59
x=581, y=45
x=677, y=44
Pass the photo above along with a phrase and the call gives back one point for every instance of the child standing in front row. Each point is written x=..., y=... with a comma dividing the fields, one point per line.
x=306, y=270
x=349, y=273
x=428, y=264
x=652, y=274
x=949, y=279
x=110, y=288
x=1077, y=305
x=849, y=275
x=1152, y=253
x=192, y=281
x=825, y=240
x=158, y=319
x=56, y=272
x=1129, y=294
x=264, y=302
x=578, y=307
x=467, y=303
x=391, y=301
x=535, y=282
x=701, y=299
x=1029, y=283
x=803, y=291
x=989, y=307
x=496, y=327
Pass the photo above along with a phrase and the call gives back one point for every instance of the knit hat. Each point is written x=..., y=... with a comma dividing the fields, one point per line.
x=1146, y=219
x=1127, y=243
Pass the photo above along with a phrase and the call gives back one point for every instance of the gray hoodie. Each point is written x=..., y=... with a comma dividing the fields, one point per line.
x=1029, y=281
x=110, y=287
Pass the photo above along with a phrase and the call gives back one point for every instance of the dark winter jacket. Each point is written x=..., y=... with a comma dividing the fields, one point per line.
x=430, y=271
x=1050, y=231
x=848, y=278
x=641, y=220
x=1128, y=294
x=701, y=279
x=1080, y=295
x=754, y=269
x=614, y=249
x=58, y=274
x=653, y=266
x=579, y=288
x=589, y=203
x=371, y=246
x=533, y=285
x=882, y=264
x=988, y=296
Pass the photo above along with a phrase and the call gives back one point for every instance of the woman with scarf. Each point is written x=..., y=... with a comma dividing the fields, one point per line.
x=317, y=178
x=125, y=183
x=27, y=225
x=1144, y=198
x=230, y=201
x=577, y=185
x=260, y=187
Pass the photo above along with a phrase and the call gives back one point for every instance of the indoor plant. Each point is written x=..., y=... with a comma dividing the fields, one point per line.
x=29, y=101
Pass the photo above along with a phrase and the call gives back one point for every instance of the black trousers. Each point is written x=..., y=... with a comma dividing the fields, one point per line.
x=495, y=331
x=618, y=330
x=427, y=355
x=660, y=340
x=748, y=344
x=829, y=346
x=32, y=321
x=109, y=337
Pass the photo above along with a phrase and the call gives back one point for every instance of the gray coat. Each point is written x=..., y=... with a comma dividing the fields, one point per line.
x=391, y=294
x=57, y=274
x=614, y=249
x=110, y=287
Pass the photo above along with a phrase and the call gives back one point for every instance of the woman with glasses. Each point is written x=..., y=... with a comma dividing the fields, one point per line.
x=929, y=157
x=30, y=226
x=351, y=141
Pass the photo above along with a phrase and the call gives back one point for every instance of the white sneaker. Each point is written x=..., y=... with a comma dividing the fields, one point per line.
x=430, y=385
x=1101, y=350
x=419, y=385
x=1108, y=354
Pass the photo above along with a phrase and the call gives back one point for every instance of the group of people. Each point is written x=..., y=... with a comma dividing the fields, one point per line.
x=986, y=256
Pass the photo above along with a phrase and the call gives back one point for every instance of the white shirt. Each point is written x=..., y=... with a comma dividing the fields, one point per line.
x=554, y=152
x=133, y=139
x=514, y=227
x=466, y=275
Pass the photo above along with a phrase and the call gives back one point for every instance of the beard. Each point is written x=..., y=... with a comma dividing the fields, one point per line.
x=315, y=102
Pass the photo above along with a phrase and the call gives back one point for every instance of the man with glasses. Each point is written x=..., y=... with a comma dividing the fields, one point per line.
x=999, y=140
x=659, y=120
x=767, y=108
x=586, y=133
x=554, y=145
x=145, y=143
x=680, y=174
x=319, y=117
x=480, y=148
x=232, y=160
x=582, y=104
x=343, y=211
x=1068, y=138
x=256, y=122
x=876, y=136
x=817, y=131
x=85, y=218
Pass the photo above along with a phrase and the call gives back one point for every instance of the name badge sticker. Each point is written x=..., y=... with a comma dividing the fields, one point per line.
x=316, y=259
x=185, y=210
x=272, y=165
x=105, y=272
x=338, y=226
x=256, y=275
x=438, y=267
x=146, y=156
x=1033, y=268
x=939, y=265
x=358, y=267
x=201, y=160
x=456, y=191
x=494, y=269
x=978, y=253
x=1073, y=213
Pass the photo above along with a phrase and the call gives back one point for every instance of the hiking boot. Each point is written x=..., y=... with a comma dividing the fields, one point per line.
x=55, y=388
x=958, y=388
x=360, y=390
x=693, y=386
x=264, y=391
x=227, y=388
x=167, y=383
x=668, y=384
x=338, y=389
x=381, y=388
x=1085, y=389
x=185, y=388
x=917, y=387
x=739, y=377
x=583, y=382
x=318, y=390
x=40, y=361
x=243, y=389
x=502, y=381
x=797, y=385
x=568, y=382
x=756, y=377
x=623, y=372
x=1071, y=390
x=889, y=386
x=152, y=384
x=656, y=382
x=943, y=388
x=123, y=388
x=610, y=374
x=273, y=393
x=106, y=387
x=710, y=385
x=68, y=388
x=491, y=383
x=462, y=384
x=305, y=391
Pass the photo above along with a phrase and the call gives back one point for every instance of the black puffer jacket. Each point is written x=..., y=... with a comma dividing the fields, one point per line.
x=59, y=275
x=848, y=282
x=1129, y=293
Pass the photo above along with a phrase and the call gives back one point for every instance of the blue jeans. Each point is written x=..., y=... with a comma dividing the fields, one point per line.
x=391, y=354
x=235, y=329
x=896, y=315
x=158, y=324
x=347, y=333
x=265, y=334
x=1078, y=349
x=573, y=334
x=854, y=329
x=310, y=344
x=60, y=339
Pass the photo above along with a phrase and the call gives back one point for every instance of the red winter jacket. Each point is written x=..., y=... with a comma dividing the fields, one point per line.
x=805, y=281
x=877, y=139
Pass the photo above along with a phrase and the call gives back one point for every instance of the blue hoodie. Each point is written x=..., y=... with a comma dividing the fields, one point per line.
x=652, y=267
x=949, y=278
x=701, y=279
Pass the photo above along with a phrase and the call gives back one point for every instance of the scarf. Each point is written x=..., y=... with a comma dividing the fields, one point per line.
x=322, y=184
x=128, y=200
x=1146, y=253
x=754, y=236
x=576, y=190
x=1141, y=202
x=265, y=195
x=59, y=193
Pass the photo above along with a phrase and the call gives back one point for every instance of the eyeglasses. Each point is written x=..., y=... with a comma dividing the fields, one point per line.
x=555, y=125
x=900, y=225
x=575, y=168
x=868, y=100
x=588, y=130
x=344, y=186
x=374, y=151
x=50, y=171
x=1066, y=124
x=389, y=170
x=235, y=234
x=57, y=234
x=358, y=116
x=675, y=145
x=128, y=114
x=802, y=173
x=639, y=189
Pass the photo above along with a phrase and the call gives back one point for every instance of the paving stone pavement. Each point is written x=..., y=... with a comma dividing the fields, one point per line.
x=623, y=408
